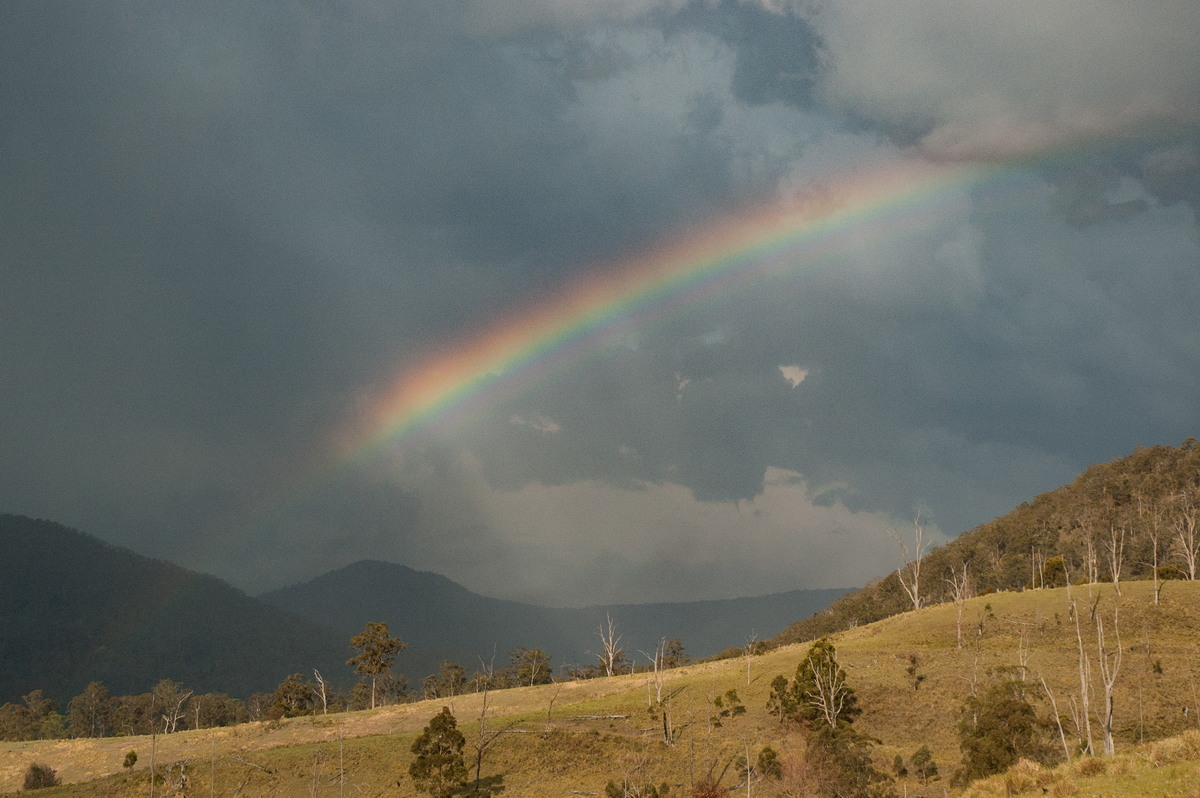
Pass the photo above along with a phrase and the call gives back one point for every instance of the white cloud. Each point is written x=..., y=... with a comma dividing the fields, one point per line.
x=539, y=423
x=546, y=542
x=981, y=80
x=793, y=374
x=488, y=18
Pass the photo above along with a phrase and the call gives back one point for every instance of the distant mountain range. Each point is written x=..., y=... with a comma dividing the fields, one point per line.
x=441, y=620
x=74, y=609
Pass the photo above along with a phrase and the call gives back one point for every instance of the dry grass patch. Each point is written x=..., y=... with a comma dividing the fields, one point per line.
x=577, y=735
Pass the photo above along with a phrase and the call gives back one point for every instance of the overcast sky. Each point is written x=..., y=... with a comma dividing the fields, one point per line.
x=225, y=226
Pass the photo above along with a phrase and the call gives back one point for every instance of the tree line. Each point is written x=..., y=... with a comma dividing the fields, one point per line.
x=172, y=707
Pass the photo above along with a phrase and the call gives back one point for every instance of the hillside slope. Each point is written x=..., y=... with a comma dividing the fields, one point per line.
x=441, y=620
x=1133, y=504
x=74, y=609
x=572, y=738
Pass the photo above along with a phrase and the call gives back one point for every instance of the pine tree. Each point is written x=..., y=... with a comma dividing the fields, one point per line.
x=439, y=769
x=820, y=703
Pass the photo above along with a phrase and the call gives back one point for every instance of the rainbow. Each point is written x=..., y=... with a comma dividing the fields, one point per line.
x=531, y=343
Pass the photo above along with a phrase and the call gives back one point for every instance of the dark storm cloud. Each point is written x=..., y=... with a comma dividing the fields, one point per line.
x=1172, y=173
x=777, y=52
x=220, y=229
x=992, y=358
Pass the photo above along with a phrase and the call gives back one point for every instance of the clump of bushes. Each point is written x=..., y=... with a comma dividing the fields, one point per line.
x=39, y=776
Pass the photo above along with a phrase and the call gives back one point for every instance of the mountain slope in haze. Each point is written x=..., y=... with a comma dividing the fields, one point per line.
x=441, y=620
x=74, y=609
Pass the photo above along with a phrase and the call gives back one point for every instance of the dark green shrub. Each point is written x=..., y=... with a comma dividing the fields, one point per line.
x=996, y=730
x=439, y=768
x=39, y=776
x=923, y=766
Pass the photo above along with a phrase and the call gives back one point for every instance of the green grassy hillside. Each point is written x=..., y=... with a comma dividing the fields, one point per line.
x=572, y=738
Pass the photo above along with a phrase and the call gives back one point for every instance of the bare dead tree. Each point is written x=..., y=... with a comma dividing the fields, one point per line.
x=1186, y=524
x=973, y=679
x=1151, y=514
x=1057, y=719
x=179, y=785
x=558, y=686
x=655, y=676
x=960, y=591
x=341, y=759
x=174, y=712
x=610, y=645
x=751, y=644
x=1083, y=720
x=488, y=671
x=321, y=692
x=153, y=752
x=1114, y=545
x=485, y=738
x=910, y=573
x=315, y=773
x=829, y=692
x=1109, y=662
x=1091, y=558
x=995, y=557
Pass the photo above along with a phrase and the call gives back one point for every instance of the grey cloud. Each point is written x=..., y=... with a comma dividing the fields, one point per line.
x=220, y=230
x=1172, y=173
x=1031, y=344
x=778, y=52
x=987, y=81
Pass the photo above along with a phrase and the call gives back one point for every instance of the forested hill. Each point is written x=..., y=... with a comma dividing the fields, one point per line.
x=1118, y=518
x=441, y=620
x=74, y=609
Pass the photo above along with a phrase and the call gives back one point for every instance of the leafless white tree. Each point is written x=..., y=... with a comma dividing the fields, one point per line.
x=1037, y=568
x=910, y=573
x=1091, y=552
x=153, y=752
x=1109, y=661
x=1152, y=514
x=1083, y=719
x=1057, y=719
x=655, y=676
x=1023, y=653
x=173, y=712
x=321, y=692
x=1114, y=546
x=751, y=644
x=610, y=645
x=830, y=692
x=1186, y=523
x=960, y=590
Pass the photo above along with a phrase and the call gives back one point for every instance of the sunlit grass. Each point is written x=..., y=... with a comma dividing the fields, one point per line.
x=576, y=736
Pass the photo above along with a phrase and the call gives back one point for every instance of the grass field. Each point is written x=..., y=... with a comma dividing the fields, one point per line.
x=564, y=739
